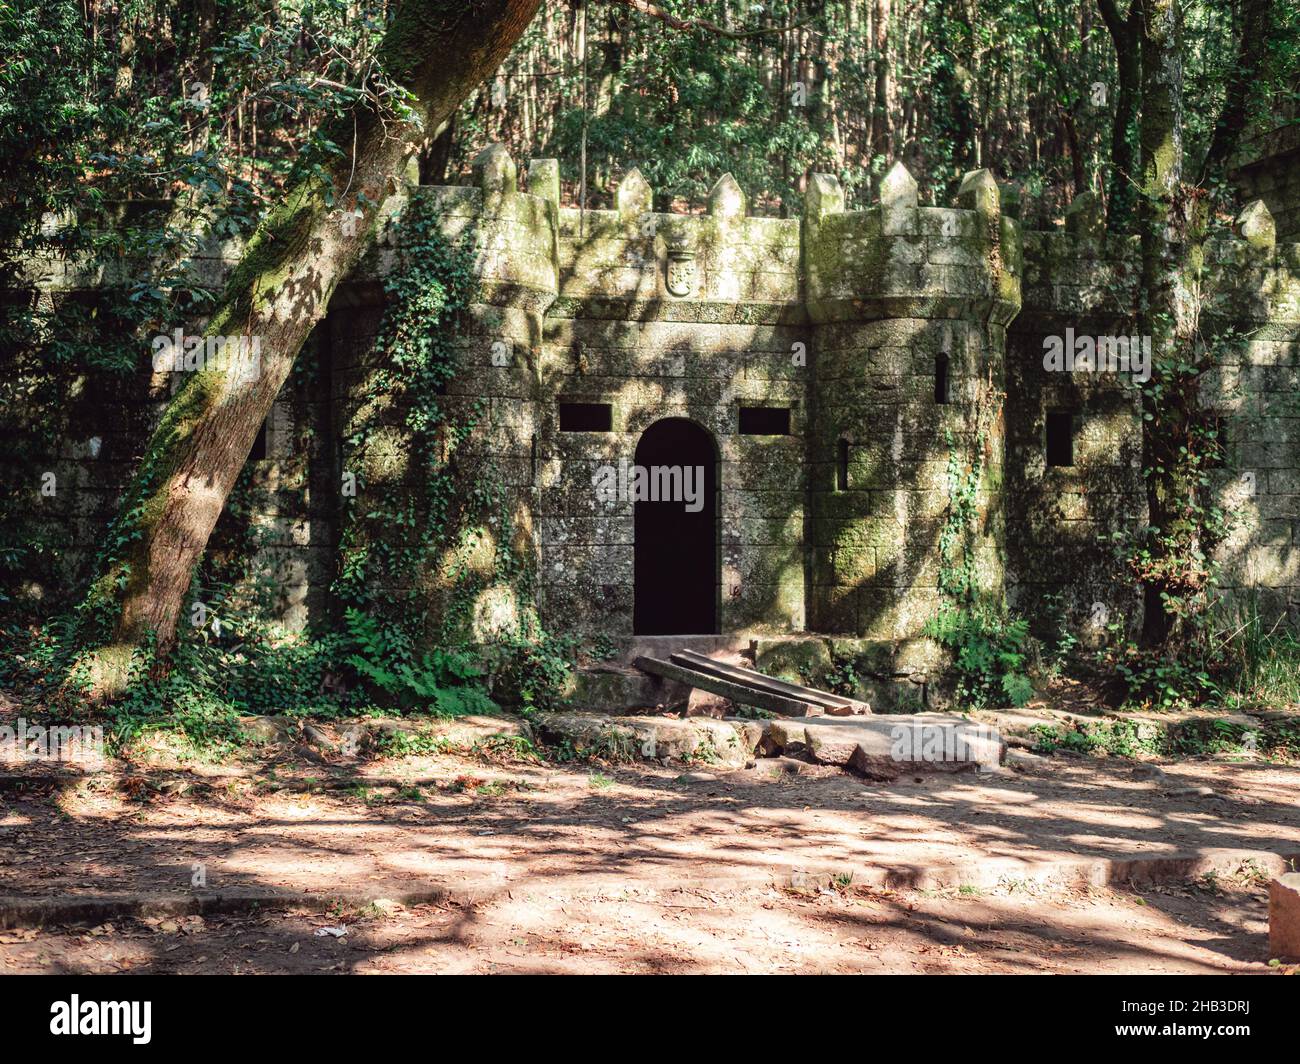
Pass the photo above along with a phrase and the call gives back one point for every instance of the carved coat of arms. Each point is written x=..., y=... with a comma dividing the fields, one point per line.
x=680, y=280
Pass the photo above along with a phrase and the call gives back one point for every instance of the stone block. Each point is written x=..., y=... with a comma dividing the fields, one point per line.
x=1284, y=917
x=793, y=660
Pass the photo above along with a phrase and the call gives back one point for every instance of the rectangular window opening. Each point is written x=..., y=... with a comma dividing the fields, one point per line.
x=842, y=467
x=586, y=417
x=765, y=421
x=1060, y=438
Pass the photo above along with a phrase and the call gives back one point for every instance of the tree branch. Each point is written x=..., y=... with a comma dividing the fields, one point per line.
x=1257, y=21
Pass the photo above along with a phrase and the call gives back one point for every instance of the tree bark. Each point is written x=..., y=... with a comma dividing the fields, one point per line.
x=438, y=50
x=884, y=104
x=1121, y=184
x=1170, y=232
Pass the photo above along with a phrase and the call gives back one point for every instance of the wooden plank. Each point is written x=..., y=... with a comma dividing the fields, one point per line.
x=691, y=659
x=738, y=693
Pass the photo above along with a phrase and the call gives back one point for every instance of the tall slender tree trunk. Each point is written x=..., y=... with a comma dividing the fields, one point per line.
x=882, y=108
x=1170, y=231
x=1256, y=35
x=1121, y=185
x=1066, y=102
x=1173, y=217
x=438, y=50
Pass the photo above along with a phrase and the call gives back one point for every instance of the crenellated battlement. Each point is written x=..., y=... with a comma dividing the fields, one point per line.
x=901, y=259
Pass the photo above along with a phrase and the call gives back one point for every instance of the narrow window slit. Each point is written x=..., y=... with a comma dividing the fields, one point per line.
x=942, y=394
x=1059, y=439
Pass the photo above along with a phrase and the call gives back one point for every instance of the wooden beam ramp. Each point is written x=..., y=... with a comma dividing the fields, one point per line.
x=746, y=687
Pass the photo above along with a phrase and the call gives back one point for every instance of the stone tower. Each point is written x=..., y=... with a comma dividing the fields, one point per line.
x=909, y=307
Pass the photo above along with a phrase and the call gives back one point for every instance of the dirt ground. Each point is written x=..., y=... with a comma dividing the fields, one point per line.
x=1191, y=929
x=782, y=867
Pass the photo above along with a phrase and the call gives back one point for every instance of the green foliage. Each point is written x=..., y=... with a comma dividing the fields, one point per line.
x=990, y=655
x=441, y=682
x=1234, y=660
x=1157, y=680
x=246, y=666
x=394, y=534
x=124, y=146
x=944, y=87
x=957, y=578
x=602, y=648
x=841, y=678
x=428, y=535
x=1056, y=636
x=413, y=744
x=715, y=113
x=1272, y=739
x=614, y=745
x=1263, y=664
x=537, y=668
x=1277, y=739
x=1119, y=738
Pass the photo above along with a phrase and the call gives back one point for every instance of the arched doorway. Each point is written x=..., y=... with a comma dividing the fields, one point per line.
x=675, y=531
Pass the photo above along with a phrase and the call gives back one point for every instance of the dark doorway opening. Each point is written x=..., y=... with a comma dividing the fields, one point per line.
x=675, y=570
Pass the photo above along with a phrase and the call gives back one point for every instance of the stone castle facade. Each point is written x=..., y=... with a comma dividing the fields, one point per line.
x=849, y=378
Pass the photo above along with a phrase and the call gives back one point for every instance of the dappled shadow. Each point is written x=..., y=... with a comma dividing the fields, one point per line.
x=647, y=830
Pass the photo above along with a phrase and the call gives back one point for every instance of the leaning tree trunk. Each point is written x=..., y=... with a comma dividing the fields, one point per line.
x=438, y=50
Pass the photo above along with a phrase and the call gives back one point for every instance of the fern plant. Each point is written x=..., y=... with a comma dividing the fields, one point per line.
x=990, y=652
x=442, y=682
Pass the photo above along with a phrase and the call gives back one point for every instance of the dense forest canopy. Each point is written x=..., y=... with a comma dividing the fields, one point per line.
x=142, y=99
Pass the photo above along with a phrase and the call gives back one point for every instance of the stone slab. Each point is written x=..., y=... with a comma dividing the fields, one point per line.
x=1284, y=917
x=696, y=739
x=889, y=746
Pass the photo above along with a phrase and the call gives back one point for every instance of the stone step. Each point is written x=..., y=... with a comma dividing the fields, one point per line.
x=732, y=648
x=724, y=744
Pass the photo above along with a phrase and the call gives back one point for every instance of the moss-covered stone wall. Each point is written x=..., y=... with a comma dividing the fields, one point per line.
x=910, y=306
x=1061, y=517
x=664, y=316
